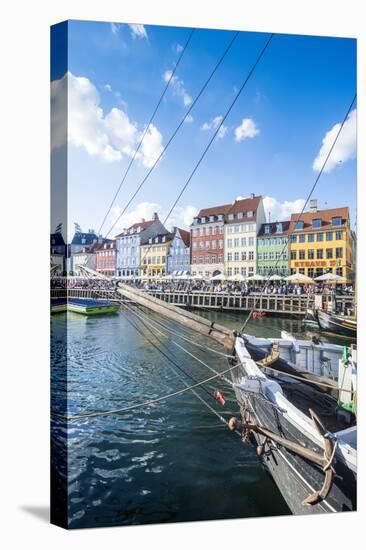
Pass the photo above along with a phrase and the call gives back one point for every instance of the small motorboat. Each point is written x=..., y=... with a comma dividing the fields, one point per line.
x=337, y=324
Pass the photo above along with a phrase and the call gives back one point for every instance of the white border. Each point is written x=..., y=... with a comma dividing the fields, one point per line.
x=24, y=312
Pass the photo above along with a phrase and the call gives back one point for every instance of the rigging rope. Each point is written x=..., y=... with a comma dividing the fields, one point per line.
x=175, y=131
x=228, y=111
x=147, y=127
x=302, y=211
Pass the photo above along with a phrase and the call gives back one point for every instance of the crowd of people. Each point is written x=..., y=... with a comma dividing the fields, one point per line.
x=244, y=288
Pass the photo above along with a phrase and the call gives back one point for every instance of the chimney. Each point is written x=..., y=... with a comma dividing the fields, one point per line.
x=156, y=217
x=252, y=195
x=313, y=205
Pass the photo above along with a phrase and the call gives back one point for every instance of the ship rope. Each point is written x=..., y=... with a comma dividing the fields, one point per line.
x=272, y=269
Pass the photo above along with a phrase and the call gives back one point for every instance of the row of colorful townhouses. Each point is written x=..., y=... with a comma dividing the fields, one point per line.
x=230, y=239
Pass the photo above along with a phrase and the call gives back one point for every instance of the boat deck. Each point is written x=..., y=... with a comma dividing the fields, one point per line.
x=83, y=306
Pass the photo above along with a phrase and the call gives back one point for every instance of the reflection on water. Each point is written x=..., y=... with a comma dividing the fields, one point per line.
x=173, y=461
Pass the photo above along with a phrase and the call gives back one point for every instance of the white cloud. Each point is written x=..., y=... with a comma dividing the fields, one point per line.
x=179, y=48
x=181, y=217
x=108, y=87
x=281, y=211
x=214, y=124
x=109, y=136
x=247, y=129
x=345, y=147
x=178, y=87
x=137, y=31
x=115, y=28
x=189, y=118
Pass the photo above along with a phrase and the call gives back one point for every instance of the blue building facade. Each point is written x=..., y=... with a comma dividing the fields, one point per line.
x=178, y=258
x=128, y=245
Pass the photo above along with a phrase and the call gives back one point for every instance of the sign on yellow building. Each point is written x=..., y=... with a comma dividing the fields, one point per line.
x=321, y=242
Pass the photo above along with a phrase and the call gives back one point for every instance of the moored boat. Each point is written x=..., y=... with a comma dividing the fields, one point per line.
x=337, y=324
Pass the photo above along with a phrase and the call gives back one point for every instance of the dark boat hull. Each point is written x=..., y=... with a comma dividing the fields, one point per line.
x=295, y=476
x=336, y=325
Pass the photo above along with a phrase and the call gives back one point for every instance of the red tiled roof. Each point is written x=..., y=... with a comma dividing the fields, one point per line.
x=245, y=206
x=324, y=215
x=142, y=225
x=214, y=210
x=186, y=236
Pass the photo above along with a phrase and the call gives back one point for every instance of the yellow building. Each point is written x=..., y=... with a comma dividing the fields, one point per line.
x=321, y=242
x=153, y=255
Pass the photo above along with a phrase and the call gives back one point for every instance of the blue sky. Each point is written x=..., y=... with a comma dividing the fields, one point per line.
x=300, y=90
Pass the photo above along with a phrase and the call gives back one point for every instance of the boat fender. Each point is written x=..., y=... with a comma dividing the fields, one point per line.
x=219, y=397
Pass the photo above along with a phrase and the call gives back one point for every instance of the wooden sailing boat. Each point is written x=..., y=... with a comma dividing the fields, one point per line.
x=304, y=437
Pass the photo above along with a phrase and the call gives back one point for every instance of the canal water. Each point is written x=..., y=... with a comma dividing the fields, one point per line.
x=173, y=461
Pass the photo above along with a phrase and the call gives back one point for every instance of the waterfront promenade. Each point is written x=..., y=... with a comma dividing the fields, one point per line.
x=283, y=304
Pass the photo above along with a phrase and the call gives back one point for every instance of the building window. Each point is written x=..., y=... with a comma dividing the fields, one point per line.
x=230, y=217
x=236, y=243
x=244, y=241
x=214, y=230
x=301, y=254
x=221, y=244
x=339, y=271
x=339, y=252
x=293, y=238
x=339, y=235
x=311, y=272
x=251, y=241
x=267, y=229
x=244, y=271
x=316, y=223
x=207, y=245
x=259, y=256
x=336, y=221
x=250, y=213
x=236, y=270
x=310, y=254
x=230, y=271
x=319, y=254
x=302, y=238
x=293, y=254
x=302, y=271
x=299, y=225
x=320, y=237
x=236, y=256
x=279, y=228
x=329, y=235
x=240, y=215
x=311, y=238
x=229, y=257
x=244, y=256
x=251, y=255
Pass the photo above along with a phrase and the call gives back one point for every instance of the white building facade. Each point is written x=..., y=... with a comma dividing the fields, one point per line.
x=242, y=224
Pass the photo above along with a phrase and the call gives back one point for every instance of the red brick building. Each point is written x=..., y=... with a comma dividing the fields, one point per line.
x=106, y=259
x=208, y=241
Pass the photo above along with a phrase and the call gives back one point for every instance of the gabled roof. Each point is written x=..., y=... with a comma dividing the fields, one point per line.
x=89, y=238
x=57, y=239
x=324, y=215
x=273, y=229
x=214, y=211
x=168, y=237
x=244, y=206
x=186, y=236
x=142, y=225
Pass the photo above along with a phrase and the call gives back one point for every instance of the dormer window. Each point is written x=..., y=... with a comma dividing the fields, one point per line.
x=150, y=240
x=230, y=216
x=336, y=221
x=220, y=217
x=163, y=239
x=83, y=241
x=203, y=219
x=317, y=223
x=267, y=229
x=299, y=225
x=212, y=218
x=279, y=228
x=250, y=213
x=240, y=215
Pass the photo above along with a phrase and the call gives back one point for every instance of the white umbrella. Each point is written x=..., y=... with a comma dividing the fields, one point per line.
x=239, y=277
x=330, y=277
x=182, y=278
x=196, y=278
x=275, y=277
x=256, y=278
x=299, y=277
x=218, y=277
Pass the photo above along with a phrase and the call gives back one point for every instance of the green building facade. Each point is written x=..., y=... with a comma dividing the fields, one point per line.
x=273, y=249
